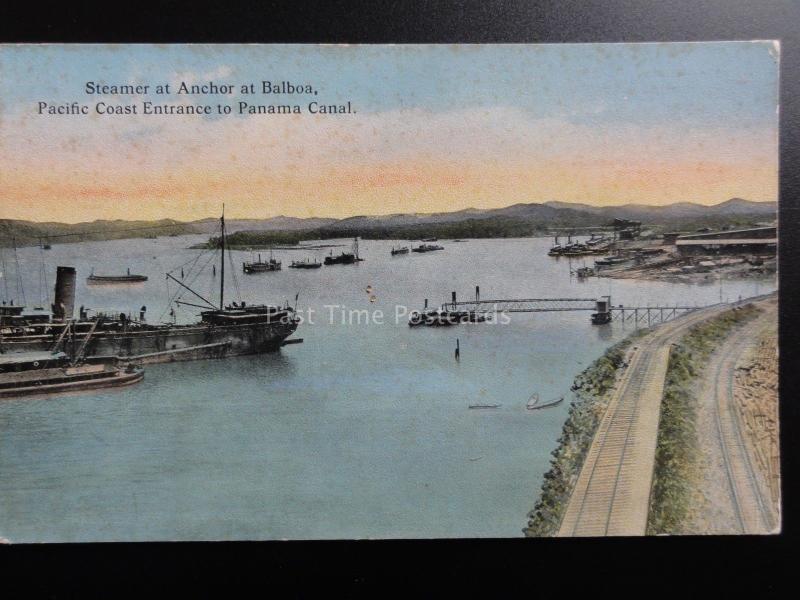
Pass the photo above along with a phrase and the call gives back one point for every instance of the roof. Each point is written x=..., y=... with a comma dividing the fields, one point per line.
x=730, y=232
x=726, y=241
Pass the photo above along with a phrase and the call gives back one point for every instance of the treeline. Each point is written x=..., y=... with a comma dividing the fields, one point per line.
x=496, y=227
x=29, y=233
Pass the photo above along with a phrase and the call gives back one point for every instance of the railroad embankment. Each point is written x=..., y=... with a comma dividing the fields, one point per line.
x=678, y=453
x=592, y=391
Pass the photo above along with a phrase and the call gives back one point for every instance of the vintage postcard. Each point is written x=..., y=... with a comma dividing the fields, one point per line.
x=267, y=292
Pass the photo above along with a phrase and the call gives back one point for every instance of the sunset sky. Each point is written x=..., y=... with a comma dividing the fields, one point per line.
x=436, y=128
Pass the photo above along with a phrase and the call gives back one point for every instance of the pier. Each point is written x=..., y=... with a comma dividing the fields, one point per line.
x=603, y=311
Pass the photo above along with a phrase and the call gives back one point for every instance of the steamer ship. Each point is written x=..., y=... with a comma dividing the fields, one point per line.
x=223, y=330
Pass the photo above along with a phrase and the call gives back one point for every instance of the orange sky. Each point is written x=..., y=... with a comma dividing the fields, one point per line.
x=605, y=128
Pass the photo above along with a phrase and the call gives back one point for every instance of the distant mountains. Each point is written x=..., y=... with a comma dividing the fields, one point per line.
x=555, y=214
x=678, y=210
x=512, y=221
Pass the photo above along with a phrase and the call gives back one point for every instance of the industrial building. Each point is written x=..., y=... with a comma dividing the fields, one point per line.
x=761, y=241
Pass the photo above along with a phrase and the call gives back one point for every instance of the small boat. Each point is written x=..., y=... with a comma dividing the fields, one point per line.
x=610, y=261
x=345, y=258
x=535, y=403
x=584, y=272
x=401, y=250
x=430, y=240
x=306, y=264
x=484, y=406
x=94, y=279
x=260, y=266
x=427, y=248
x=34, y=373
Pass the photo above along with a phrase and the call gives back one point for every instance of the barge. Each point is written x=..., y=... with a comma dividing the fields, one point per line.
x=305, y=264
x=128, y=278
x=38, y=373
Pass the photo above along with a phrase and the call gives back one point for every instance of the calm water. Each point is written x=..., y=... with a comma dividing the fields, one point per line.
x=362, y=431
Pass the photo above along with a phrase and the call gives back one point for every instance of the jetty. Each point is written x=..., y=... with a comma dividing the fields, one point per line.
x=601, y=309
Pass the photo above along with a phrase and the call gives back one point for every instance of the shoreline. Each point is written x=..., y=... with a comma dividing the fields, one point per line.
x=592, y=389
x=678, y=448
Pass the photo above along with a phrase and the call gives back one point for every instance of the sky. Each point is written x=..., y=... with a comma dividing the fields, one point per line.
x=434, y=128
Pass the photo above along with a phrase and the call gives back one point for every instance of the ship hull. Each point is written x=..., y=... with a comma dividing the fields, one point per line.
x=161, y=344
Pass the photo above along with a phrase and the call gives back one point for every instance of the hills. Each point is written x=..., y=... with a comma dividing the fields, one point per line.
x=548, y=214
x=517, y=220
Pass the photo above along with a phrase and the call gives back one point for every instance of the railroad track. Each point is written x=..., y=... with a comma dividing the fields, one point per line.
x=612, y=493
x=751, y=509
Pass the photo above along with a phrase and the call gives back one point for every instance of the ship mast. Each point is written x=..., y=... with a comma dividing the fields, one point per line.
x=222, y=262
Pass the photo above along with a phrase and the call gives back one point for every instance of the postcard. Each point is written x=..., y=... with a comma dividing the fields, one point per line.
x=299, y=292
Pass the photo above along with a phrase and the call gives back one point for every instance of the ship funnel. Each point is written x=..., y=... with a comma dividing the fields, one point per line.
x=64, y=305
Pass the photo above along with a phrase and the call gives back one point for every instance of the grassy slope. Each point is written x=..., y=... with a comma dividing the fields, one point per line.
x=677, y=450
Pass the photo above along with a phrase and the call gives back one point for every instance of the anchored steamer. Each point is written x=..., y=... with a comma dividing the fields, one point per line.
x=223, y=330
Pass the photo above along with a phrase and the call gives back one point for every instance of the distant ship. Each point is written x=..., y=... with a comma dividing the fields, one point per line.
x=94, y=279
x=427, y=248
x=260, y=266
x=306, y=264
x=400, y=250
x=345, y=258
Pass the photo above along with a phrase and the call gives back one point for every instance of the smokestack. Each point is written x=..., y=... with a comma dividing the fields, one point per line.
x=64, y=305
x=454, y=297
x=477, y=293
x=426, y=303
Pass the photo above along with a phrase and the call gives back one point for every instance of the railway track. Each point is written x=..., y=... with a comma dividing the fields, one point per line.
x=751, y=508
x=611, y=495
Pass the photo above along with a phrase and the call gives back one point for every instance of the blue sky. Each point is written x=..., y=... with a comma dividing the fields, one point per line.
x=488, y=125
x=683, y=82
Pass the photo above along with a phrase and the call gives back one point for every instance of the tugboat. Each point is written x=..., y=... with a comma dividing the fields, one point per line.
x=400, y=250
x=260, y=266
x=95, y=279
x=427, y=248
x=345, y=258
x=299, y=264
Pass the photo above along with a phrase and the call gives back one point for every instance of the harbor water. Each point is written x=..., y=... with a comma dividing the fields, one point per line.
x=361, y=431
